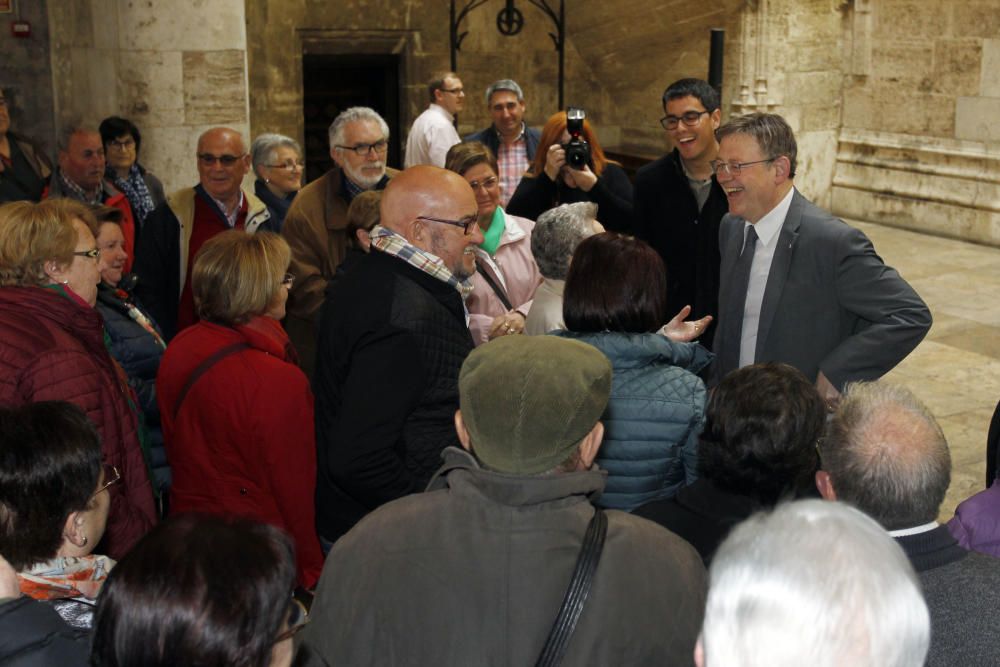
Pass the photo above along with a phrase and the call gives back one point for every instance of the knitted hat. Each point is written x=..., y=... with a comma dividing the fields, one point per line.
x=527, y=401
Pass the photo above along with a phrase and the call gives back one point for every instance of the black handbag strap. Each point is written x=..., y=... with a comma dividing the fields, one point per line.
x=576, y=594
x=202, y=368
x=497, y=289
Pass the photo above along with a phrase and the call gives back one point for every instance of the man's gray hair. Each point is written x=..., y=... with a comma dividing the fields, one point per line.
x=886, y=455
x=772, y=132
x=264, y=149
x=813, y=583
x=68, y=129
x=351, y=115
x=557, y=234
x=504, y=84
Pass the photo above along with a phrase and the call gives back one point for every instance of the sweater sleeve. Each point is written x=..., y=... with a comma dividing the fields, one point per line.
x=534, y=195
x=613, y=195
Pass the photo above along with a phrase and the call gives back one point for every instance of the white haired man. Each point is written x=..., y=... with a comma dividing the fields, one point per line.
x=885, y=454
x=816, y=584
x=316, y=223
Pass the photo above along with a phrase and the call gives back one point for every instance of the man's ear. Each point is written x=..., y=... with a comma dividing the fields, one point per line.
x=716, y=117
x=782, y=168
x=824, y=484
x=463, y=433
x=590, y=444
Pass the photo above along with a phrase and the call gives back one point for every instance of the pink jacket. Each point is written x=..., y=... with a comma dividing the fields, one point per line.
x=512, y=268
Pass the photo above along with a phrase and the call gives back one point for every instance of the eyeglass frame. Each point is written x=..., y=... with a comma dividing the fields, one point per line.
x=226, y=160
x=736, y=168
x=485, y=184
x=469, y=223
x=288, y=166
x=367, y=148
x=453, y=91
x=122, y=145
x=681, y=119
x=297, y=627
x=93, y=253
x=107, y=483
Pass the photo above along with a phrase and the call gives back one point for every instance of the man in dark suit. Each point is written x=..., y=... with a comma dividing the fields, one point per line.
x=678, y=204
x=886, y=455
x=798, y=285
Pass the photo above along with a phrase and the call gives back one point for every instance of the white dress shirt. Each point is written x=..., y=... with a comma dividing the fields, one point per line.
x=768, y=230
x=432, y=134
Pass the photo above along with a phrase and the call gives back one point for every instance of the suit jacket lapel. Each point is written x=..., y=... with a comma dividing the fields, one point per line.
x=778, y=274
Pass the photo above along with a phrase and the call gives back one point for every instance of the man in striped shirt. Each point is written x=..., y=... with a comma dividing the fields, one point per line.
x=513, y=142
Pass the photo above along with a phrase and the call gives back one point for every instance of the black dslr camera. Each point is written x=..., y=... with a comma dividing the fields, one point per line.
x=577, y=149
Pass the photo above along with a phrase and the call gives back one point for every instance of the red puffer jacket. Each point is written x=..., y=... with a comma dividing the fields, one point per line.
x=243, y=441
x=53, y=350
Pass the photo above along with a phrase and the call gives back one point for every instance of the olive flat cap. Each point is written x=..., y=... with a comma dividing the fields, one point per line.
x=527, y=401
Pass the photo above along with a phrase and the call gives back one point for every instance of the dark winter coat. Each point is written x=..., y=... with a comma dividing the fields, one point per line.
x=391, y=343
x=33, y=635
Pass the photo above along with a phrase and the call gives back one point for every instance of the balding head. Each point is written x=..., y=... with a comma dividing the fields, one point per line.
x=886, y=454
x=217, y=147
x=424, y=192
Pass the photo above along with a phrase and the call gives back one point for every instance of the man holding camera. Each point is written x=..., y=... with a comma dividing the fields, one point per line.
x=678, y=203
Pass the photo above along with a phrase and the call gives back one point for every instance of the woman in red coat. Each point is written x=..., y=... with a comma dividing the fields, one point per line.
x=52, y=347
x=237, y=411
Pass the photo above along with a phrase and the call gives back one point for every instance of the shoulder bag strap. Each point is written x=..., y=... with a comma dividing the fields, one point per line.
x=576, y=594
x=494, y=286
x=202, y=368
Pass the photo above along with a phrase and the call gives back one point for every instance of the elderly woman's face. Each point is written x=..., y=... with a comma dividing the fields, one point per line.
x=121, y=152
x=111, y=243
x=284, y=173
x=82, y=274
x=485, y=184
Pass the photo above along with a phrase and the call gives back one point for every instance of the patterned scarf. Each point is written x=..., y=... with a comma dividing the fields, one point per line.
x=135, y=190
x=393, y=244
x=66, y=577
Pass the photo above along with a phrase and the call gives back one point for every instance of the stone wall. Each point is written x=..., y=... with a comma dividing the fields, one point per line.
x=920, y=144
x=174, y=70
x=25, y=73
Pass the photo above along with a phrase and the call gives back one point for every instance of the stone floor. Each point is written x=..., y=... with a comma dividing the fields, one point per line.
x=956, y=369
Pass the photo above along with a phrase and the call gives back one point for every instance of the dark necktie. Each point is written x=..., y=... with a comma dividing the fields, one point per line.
x=731, y=326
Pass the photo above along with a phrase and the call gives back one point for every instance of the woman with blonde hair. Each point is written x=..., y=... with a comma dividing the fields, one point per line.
x=54, y=346
x=237, y=411
x=552, y=181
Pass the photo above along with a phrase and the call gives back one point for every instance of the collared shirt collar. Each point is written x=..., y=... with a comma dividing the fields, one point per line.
x=231, y=217
x=444, y=112
x=520, y=135
x=767, y=228
x=79, y=193
x=916, y=530
x=352, y=189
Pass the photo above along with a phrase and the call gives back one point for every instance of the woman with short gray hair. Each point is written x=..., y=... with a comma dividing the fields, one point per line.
x=277, y=162
x=557, y=233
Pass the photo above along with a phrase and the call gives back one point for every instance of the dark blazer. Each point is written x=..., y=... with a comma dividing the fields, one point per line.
x=489, y=138
x=830, y=303
x=667, y=217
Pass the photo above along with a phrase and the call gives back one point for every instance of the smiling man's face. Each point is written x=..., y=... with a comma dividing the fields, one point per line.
x=695, y=143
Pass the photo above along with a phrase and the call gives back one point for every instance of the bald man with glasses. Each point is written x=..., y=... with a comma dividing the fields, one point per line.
x=175, y=230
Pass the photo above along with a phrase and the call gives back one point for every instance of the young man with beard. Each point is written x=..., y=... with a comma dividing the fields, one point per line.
x=678, y=203
x=316, y=223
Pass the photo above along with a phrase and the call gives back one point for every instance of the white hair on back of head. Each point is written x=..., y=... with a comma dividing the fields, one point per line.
x=813, y=583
